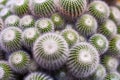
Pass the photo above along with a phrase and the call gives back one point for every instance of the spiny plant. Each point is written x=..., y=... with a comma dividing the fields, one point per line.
x=6, y=72
x=112, y=76
x=108, y=29
x=10, y=39
x=4, y=13
x=70, y=35
x=114, y=14
x=29, y=37
x=12, y=20
x=83, y=60
x=100, y=73
x=86, y=25
x=44, y=25
x=110, y=63
x=100, y=10
x=114, y=46
x=20, y=7
x=58, y=21
x=27, y=21
x=19, y=61
x=59, y=40
x=42, y=8
x=73, y=9
x=50, y=51
x=100, y=42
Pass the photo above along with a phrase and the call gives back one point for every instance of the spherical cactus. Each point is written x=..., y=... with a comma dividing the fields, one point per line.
x=112, y=76
x=108, y=28
x=110, y=63
x=100, y=42
x=86, y=25
x=58, y=21
x=19, y=61
x=71, y=9
x=99, y=10
x=83, y=60
x=50, y=51
x=29, y=36
x=10, y=39
x=44, y=25
x=114, y=14
x=114, y=46
x=4, y=13
x=5, y=71
x=20, y=7
x=27, y=21
x=70, y=35
x=99, y=74
x=12, y=20
x=38, y=76
x=42, y=8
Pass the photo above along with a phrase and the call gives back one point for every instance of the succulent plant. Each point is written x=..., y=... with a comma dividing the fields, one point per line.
x=20, y=7
x=70, y=35
x=6, y=72
x=99, y=74
x=44, y=25
x=100, y=42
x=27, y=21
x=59, y=40
x=83, y=60
x=71, y=9
x=4, y=13
x=42, y=8
x=114, y=14
x=114, y=48
x=50, y=51
x=19, y=61
x=86, y=25
x=108, y=29
x=58, y=21
x=10, y=39
x=12, y=20
x=112, y=76
x=110, y=63
x=29, y=36
x=100, y=10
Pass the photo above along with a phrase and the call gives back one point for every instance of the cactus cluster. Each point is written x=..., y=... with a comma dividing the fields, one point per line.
x=59, y=40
